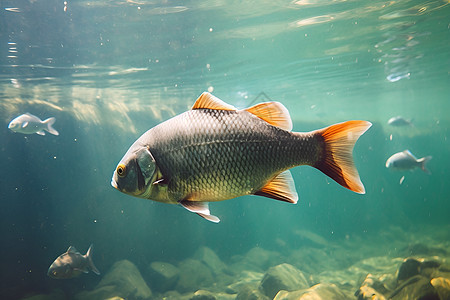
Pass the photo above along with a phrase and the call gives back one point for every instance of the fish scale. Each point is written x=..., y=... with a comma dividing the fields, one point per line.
x=217, y=155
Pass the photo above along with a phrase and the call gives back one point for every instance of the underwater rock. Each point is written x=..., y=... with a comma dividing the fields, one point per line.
x=381, y=272
x=203, y=295
x=163, y=276
x=372, y=289
x=442, y=287
x=282, y=277
x=416, y=279
x=250, y=293
x=123, y=280
x=256, y=259
x=417, y=287
x=210, y=259
x=409, y=268
x=246, y=280
x=194, y=275
x=261, y=258
x=368, y=293
x=426, y=268
x=442, y=271
x=321, y=291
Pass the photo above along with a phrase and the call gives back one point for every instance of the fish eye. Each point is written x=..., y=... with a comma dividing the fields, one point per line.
x=121, y=170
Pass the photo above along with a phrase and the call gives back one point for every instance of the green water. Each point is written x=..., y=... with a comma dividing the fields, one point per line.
x=110, y=70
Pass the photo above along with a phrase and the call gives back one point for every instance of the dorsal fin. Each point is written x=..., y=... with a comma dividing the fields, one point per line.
x=72, y=249
x=274, y=113
x=208, y=101
x=408, y=153
x=281, y=188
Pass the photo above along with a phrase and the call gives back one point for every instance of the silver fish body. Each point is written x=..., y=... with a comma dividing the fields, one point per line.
x=29, y=124
x=214, y=152
x=71, y=264
x=399, y=121
x=405, y=160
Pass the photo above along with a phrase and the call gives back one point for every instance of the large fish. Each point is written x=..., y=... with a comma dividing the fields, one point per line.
x=215, y=152
x=29, y=124
x=71, y=264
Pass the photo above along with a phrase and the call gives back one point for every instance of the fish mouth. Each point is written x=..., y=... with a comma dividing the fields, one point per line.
x=114, y=184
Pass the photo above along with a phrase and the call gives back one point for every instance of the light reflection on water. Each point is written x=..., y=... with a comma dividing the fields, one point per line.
x=106, y=60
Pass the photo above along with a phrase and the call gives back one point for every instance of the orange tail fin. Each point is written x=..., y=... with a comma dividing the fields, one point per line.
x=337, y=160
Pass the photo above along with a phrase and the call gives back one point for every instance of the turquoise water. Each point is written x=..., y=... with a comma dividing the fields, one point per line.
x=110, y=70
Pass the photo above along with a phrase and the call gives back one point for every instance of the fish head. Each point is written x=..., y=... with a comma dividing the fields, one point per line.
x=60, y=268
x=389, y=163
x=135, y=171
x=393, y=162
x=14, y=125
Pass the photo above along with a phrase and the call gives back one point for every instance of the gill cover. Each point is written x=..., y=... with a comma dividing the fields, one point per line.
x=147, y=166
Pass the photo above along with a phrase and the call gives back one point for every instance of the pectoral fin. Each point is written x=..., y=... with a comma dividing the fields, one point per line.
x=81, y=270
x=25, y=124
x=282, y=188
x=200, y=208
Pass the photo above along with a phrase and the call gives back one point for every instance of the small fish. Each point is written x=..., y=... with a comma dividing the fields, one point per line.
x=399, y=121
x=215, y=152
x=29, y=124
x=71, y=264
x=405, y=160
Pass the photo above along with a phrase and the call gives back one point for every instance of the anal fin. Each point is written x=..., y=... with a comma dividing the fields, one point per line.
x=200, y=208
x=282, y=188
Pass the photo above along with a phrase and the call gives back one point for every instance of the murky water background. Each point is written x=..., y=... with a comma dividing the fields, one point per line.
x=110, y=70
